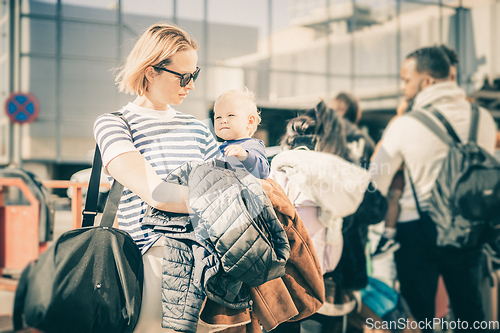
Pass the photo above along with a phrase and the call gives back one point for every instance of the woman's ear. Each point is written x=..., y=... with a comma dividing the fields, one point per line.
x=150, y=73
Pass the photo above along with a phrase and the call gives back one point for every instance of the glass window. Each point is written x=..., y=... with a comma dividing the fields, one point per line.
x=236, y=37
x=39, y=36
x=190, y=10
x=4, y=140
x=88, y=88
x=4, y=39
x=44, y=7
x=4, y=81
x=160, y=8
x=296, y=89
x=423, y=29
x=337, y=84
x=90, y=40
x=102, y=10
x=340, y=56
x=289, y=53
x=42, y=83
x=5, y=7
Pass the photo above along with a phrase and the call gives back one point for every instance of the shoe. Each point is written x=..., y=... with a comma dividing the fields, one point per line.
x=385, y=246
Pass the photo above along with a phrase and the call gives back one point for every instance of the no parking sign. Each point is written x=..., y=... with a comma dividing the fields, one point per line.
x=22, y=107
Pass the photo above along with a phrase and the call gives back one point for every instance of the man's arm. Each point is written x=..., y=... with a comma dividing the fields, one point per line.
x=388, y=158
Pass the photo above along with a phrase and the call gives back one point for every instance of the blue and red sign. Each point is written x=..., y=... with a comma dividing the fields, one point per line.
x=22, y=107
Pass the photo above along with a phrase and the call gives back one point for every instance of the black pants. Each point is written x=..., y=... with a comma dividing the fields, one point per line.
x=419, y=265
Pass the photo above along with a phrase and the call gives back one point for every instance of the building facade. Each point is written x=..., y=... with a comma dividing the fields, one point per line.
x=291, y=53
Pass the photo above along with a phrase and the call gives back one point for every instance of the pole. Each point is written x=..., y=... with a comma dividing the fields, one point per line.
x=270, y=48
x=458, y=41
x=58, y=134
x=353, y=46
x=205, y=55
x=328, y=51
x=120, y=33
x=174, y=9
x=441, y=22
x=398, y=43
x=14, y=77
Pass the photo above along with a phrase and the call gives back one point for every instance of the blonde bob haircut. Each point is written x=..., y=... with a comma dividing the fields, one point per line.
x=155, y=47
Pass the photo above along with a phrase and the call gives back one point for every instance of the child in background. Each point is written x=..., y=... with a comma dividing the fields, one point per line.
x=235, y=120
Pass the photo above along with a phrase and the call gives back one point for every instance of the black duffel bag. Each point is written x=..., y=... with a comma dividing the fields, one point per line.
x=89, y=281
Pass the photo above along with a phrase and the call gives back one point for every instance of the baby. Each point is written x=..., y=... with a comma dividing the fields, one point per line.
x=236, y=119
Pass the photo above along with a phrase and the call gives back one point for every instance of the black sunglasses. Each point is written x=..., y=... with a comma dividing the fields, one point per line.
x=185, y=78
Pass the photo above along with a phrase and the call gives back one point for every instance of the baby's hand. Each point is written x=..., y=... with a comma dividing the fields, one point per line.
x=236, y=150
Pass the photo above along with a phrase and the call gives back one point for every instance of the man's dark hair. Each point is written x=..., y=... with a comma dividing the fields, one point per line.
x=451, y=54
x=352, y=111
x=431, y=60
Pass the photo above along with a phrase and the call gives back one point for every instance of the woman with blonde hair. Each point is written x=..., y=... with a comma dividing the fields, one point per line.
x=155, y=139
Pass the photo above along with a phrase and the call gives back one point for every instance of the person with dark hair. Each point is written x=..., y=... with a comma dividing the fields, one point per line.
x=425, y=81
x=387, y=244
x=315, y=170
x=453, y=59
x=431, y=60
x=360, y=144
x=347, y=106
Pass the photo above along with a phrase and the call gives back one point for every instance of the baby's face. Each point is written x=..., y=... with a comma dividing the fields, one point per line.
x=231, y=120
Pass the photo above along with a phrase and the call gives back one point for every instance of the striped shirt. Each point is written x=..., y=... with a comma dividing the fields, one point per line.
x=166, y=139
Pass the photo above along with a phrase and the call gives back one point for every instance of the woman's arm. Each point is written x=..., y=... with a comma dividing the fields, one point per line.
x=135, y=173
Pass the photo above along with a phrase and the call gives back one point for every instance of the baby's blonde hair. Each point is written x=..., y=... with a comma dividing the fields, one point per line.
x=155, y=47
x=246, y=96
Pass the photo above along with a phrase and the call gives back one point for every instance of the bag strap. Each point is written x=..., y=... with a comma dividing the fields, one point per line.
x=111, y=207
x=447, y=125
x=90, y=211
x=432, y=126
x=419, y=209
x=474, y=123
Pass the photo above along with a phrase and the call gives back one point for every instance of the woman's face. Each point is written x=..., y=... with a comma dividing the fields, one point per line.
x=164, y=87
x=340, y=107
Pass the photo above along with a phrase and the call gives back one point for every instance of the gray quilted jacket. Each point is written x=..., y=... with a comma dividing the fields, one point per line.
x=233, y=241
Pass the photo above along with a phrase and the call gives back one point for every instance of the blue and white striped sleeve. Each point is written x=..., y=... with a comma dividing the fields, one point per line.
x=211, y=148
x=112, y=137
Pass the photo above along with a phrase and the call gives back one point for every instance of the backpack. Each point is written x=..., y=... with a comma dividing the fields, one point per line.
x=89, y=281
x=466, y=196
x=44, y=197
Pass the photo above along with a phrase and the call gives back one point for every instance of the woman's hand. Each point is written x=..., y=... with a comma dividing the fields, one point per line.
x=133, y=171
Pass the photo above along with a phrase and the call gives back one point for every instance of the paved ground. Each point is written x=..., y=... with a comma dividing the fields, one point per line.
x=62, y=224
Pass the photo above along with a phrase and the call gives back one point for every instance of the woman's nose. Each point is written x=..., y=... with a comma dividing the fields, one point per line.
x=190, y=85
